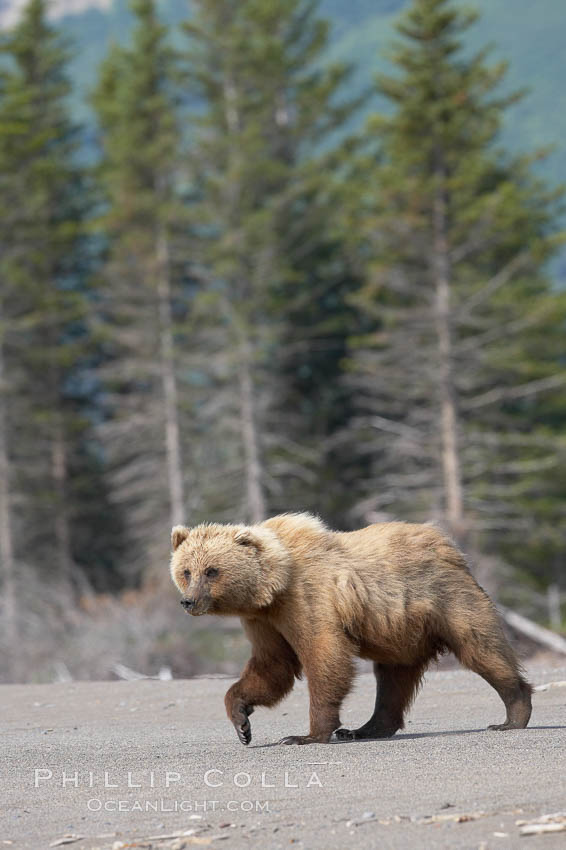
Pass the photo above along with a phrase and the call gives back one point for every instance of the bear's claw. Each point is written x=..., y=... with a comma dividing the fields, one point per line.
x=343, y=734
x=244, y=732
x=243, y=727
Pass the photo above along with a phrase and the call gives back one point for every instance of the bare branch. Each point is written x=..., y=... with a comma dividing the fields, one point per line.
x=497, y=281
x=383, y=424
x=497, y=332
x=505, y=393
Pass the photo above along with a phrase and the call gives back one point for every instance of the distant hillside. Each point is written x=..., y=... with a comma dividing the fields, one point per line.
x=10, y=9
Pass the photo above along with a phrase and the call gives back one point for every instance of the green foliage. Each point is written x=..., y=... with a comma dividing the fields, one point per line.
x=135, y=106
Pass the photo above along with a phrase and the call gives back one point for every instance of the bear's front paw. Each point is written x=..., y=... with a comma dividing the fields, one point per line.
x=302, y=739
x=239, y=717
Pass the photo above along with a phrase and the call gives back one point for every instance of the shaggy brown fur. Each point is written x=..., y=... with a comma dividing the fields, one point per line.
x=311, y=599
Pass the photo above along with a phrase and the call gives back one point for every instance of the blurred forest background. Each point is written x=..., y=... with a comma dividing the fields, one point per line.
x=266, y=255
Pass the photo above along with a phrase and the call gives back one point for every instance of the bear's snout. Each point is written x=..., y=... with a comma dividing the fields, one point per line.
x=195, y=606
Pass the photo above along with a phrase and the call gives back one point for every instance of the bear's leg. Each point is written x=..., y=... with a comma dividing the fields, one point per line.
x=267, y=677
x=329, y=672
x=397, y=686
x=260, y=684
x=485, y=650
x=507, y=681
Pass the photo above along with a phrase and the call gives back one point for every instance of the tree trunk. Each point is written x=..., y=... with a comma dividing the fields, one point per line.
x=8, y=565
x=169, y=383
x=451, y=471
x=254, y=485
x=61, y=523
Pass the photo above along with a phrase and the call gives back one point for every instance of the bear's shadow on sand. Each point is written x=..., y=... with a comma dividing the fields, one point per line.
x=411, y=736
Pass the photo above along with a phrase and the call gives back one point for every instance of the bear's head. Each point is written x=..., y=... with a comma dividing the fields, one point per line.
x=228, y=569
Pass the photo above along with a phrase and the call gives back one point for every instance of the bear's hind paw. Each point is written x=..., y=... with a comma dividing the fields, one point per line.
x=365, y=733
x=344, y=735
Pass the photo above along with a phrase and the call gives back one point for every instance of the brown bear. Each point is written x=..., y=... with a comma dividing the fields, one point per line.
x=310, y=599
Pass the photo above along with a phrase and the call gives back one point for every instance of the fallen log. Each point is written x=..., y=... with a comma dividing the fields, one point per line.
x=532, y=630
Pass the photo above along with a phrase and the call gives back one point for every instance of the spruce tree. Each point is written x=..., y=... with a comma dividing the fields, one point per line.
x=43, y=264
x=262, y=229
x=136, y=106
x=457, y=382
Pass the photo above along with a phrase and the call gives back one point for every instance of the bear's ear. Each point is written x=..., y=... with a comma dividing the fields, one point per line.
x=248, y=537
x=178, y=534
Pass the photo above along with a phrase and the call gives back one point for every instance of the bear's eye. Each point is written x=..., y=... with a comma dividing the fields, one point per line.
x=187, y=574
x=211, y=572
